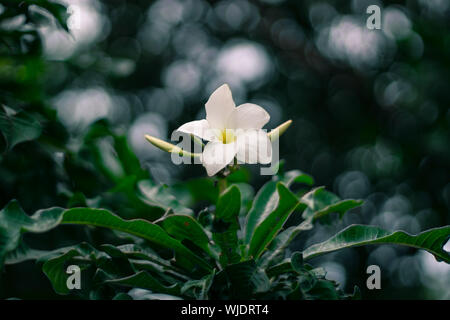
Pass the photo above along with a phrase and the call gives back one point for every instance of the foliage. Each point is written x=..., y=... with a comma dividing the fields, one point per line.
x=221, y=253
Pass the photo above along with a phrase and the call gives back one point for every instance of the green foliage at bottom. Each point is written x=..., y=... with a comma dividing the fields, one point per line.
x=222, y=252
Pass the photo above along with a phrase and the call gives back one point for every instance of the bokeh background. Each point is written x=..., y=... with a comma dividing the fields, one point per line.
x=370, y=107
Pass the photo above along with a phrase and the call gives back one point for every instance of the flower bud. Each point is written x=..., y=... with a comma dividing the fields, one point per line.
x=168, y=147
x=278, y=131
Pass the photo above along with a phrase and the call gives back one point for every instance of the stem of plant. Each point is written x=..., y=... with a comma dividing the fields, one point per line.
x=222, y=184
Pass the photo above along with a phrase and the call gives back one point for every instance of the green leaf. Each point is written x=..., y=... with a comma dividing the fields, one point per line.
x=55, y=268
x=226, y=224
x=23, y=253
x=277, y=247
x=432, y=240
x=135, y=205
x=265, y=202
x=322, y=290
x=246, y=279
x=305, y=282
x=198, y=288
x=144, y=259
x=133, y=251
x=137, y=227
x=113, y=268
x=185, y=227
x=18, y=127
x=14, y=221
x=229, y=204
x=320, y=202
x=297, y=261
x=279, y=269
x=158, y=196
x=267, y=229
x=239, y=175
x=247, y=195
x=56, y=262
x=296, y=176
x=267, y=198
x=144, y=280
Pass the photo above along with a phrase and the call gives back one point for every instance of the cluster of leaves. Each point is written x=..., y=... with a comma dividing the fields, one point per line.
x=234, y=249
x=27, y=122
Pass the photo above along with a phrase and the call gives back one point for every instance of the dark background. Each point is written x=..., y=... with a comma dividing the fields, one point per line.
x=369, y=108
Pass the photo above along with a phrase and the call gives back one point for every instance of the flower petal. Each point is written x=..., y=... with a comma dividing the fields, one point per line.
x=219, y=107
x=217, y=156
x=248, y=116
x=254, y=146
x=199, y=128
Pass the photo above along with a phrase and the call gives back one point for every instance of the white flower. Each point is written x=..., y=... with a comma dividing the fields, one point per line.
x=232, y=132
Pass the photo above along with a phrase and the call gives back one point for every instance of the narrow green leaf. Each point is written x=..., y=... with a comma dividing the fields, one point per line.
x=133, y=251
x=18, y=127
x=137, y=227
x=432, y=240
x=144, y=280
x=320, y=202
x=247, y=195
x=277, y=247
x=284, y=267
x=229, y=204
x=267, y=198
x=55, y=269
x=226, y=224
x=23, y=253
x=145, y=259
x=266, y=231
x=296, y=176
x=265, y=202
x=14, y=221
x=323, y=290
x=55, y=264
x=185, y=227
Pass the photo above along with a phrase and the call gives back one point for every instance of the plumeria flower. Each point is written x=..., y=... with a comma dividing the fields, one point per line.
x=232, y=132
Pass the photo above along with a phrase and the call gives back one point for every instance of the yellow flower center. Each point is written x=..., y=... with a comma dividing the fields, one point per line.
x=227, y=136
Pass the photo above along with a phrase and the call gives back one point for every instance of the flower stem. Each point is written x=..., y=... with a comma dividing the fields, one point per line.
x=222, y=184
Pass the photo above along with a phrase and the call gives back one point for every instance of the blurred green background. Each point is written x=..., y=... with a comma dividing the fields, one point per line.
x=370, y=110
